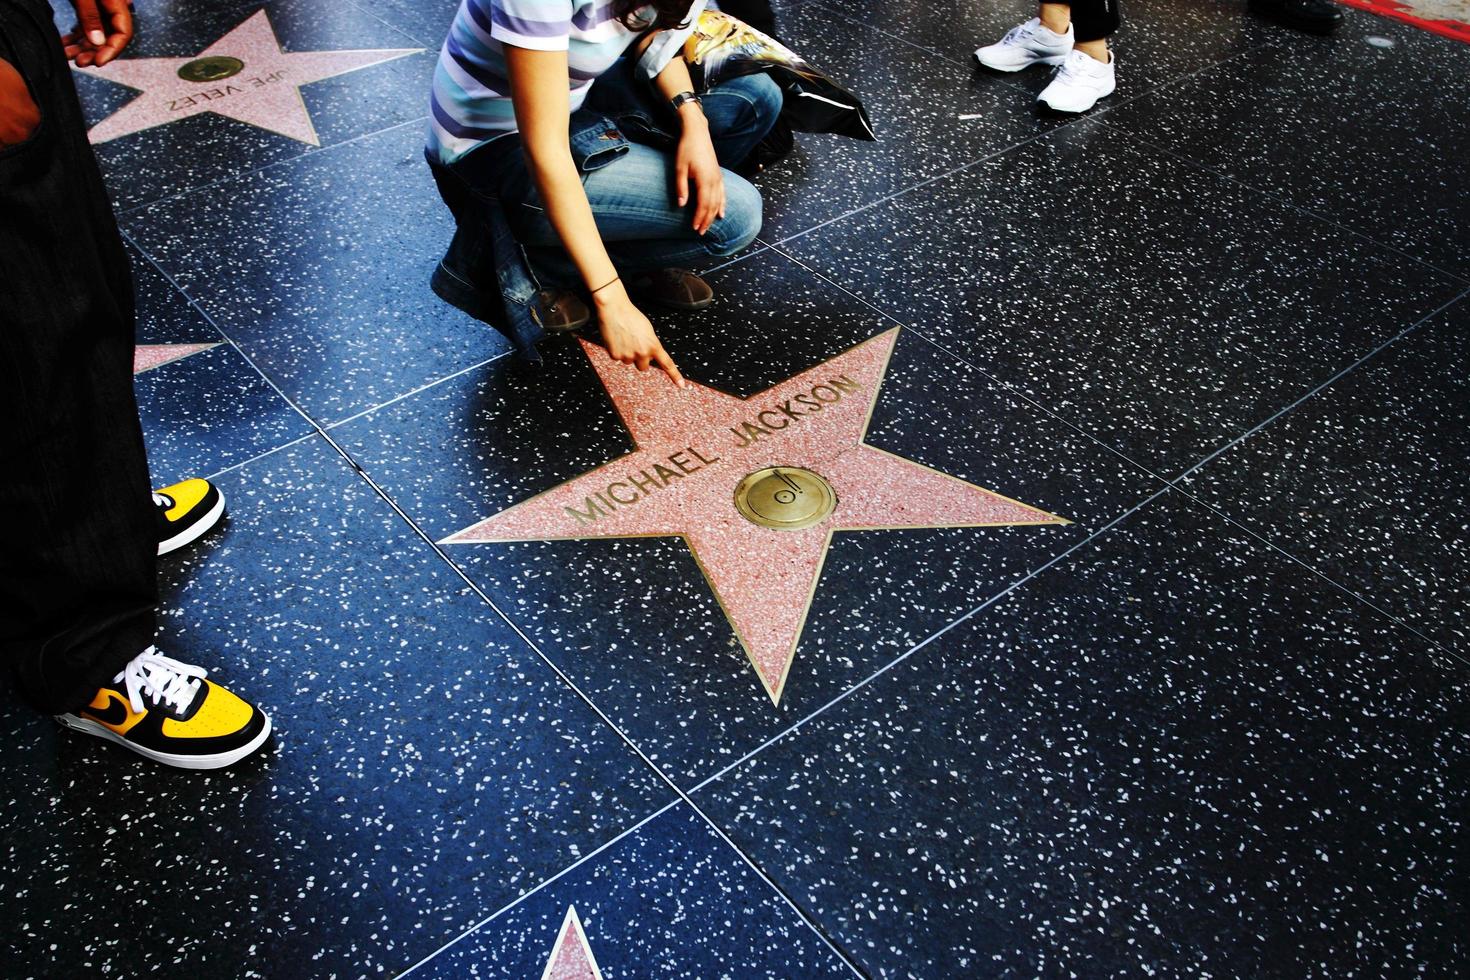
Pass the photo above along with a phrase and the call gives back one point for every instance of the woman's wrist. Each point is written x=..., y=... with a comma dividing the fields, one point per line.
x=610, y=295
x=692, y=118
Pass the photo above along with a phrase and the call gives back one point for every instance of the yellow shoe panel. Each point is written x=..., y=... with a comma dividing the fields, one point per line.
x=186, y=496
x=222, y=713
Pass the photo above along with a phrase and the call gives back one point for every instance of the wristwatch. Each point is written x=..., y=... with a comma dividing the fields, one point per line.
x=678, y=101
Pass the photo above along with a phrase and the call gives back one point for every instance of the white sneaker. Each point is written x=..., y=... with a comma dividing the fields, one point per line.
x=1032, y=43
x=1079, y=83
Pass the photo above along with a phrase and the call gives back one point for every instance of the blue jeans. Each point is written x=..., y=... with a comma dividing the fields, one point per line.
x=632, y=191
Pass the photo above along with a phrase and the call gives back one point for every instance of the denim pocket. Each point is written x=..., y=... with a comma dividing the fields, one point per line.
x=596, y=141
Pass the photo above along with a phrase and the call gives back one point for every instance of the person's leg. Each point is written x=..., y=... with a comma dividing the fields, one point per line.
x=77, y=570
x=1093, y=22
x=644, y=229
x=632, y=195
x=1055, y=17
x=468, y=276
x=80, y=528
x=1087, y=73
x=741, y=111
x=633, y=202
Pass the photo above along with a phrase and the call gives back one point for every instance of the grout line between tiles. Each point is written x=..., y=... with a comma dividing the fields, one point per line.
x=1445, y=651
x=1324, y=385
x=1013, y=586
x=318, y=428
x=566, y=679
x=262, y=455
x=427, y=46
x=240, y=174
x=523, y=896
x=194, y=305
x=1173, y=482
x=932, y=52
x=417, y=391
x=774, y=242
x=1011, y=389
x=1283, y=200
x=1039, y=135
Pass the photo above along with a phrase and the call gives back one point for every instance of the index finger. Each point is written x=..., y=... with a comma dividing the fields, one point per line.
x=667, y=363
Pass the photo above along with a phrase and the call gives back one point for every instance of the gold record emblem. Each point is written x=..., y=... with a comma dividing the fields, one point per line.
x=211, y=69
x=787, y=498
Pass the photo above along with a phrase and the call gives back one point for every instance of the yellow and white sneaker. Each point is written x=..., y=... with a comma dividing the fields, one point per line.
x=166, y=710
x=186, y=512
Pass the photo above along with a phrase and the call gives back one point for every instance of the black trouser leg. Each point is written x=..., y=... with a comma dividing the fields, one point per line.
x=1093, y=20
x=78, y=537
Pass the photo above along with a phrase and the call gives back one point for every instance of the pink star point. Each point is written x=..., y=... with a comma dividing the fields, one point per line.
x=149, y=356
x=265, y=93
x=695, y=445
x=571, y=957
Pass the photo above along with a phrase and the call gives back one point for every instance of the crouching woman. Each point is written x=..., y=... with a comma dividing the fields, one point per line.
x=567, y=140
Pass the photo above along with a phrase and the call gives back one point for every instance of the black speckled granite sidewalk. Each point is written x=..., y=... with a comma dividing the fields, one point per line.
x=1214, y=725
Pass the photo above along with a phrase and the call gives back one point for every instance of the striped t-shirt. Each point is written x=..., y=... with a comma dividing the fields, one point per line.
x=471, y=98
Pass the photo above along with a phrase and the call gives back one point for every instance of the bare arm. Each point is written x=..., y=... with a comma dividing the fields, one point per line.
x=695, y=158
x=538, y=85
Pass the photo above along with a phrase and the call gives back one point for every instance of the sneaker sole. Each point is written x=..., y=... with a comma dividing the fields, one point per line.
x=1048, y=107
x=217, y=761
x=196, y=530
x=1012, y=69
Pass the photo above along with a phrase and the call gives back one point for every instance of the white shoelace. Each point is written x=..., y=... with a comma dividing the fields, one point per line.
x=163, y=679
x=1020, y=30
x=1076, y=64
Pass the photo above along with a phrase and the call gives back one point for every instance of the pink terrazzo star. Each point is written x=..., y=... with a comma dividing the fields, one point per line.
x=149, y=356
x=572, y=957
x=264, y=90
x=694, y=448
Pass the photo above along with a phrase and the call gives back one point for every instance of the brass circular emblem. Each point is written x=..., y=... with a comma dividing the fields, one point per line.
x=785, y=497
x=211, y=69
